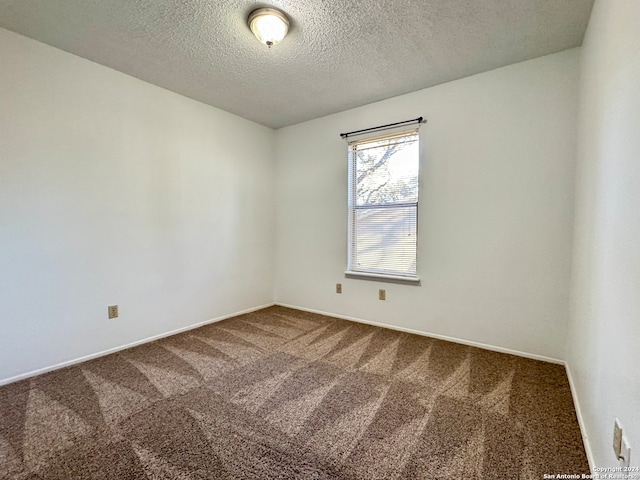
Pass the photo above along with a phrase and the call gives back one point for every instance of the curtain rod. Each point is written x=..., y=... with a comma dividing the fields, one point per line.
x=382, y=127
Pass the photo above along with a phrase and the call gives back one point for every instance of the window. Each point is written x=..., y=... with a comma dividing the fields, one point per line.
x=383, y=205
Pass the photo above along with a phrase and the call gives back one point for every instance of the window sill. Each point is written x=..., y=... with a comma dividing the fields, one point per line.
x=383, y=278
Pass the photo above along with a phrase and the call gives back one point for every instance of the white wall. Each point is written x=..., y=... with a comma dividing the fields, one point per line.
x=113, y=191
x=604, y=333
x=496, y=209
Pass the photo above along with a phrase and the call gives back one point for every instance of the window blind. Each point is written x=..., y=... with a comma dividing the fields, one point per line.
x=383, y=204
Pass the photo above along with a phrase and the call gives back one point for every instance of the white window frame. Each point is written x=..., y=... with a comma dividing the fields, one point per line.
x=353, y=270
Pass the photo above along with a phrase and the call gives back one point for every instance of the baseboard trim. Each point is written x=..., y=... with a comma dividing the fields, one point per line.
x=109, y=351
x=484, y=346
x=574, y=394
x=581, y=424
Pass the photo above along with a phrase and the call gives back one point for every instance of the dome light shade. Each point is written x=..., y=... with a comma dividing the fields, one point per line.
x=269, y=25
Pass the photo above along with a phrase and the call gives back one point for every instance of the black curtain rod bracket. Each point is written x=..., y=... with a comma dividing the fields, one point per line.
x=383, y=127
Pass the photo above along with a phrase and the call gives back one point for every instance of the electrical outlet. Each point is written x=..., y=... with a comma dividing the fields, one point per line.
x=625, y=452
x=382, y=294
x=617, y=438
x=338, y=288
x=113, y=311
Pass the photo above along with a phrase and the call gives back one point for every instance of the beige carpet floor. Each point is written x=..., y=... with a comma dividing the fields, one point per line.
x=286, y=394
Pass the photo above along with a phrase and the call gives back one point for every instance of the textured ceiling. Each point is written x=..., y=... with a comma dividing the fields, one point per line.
x=339, y=54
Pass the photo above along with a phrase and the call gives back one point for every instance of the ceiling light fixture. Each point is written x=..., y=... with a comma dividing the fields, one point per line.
x=269, y=25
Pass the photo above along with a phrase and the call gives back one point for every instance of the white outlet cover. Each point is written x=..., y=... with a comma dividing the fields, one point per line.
x=625, y=452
